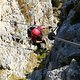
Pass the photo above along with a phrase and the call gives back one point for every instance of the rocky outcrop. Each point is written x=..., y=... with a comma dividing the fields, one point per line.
x=70, y=32
x=63, y=52
x=69, y=72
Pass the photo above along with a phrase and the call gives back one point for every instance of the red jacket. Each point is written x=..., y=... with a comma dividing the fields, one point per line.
x=34, y=37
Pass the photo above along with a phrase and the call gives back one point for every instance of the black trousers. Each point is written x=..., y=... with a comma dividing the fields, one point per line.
x=39, y=44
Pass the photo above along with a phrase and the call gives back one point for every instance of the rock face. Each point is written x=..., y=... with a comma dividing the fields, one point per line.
x=15, y=17
x=39, y=11
x=70, y=72
x=13, y=42
x=63, y=52
x=68, y=31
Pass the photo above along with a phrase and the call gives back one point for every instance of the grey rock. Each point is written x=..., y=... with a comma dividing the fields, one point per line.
x=36, y=75
x=55, y=74
x=70, y=72
x=62, y=52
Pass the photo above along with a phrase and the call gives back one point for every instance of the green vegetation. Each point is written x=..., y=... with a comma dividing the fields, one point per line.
x=14, y=77
x=41, y=57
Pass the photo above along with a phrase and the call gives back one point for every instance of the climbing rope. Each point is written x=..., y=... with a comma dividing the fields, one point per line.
x=63, y=40
x=66, y=41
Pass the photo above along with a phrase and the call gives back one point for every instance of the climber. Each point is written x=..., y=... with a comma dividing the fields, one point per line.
x=37, y=38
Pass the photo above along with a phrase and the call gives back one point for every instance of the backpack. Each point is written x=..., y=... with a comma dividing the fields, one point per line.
x=29, y=30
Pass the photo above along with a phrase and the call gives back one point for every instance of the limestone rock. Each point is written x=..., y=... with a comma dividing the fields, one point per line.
x=15, y=17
